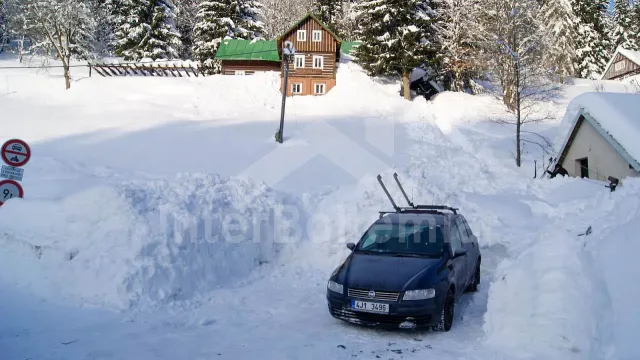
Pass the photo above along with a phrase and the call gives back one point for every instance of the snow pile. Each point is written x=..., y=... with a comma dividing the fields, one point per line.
x=545, y=299
x=143, y=243
x=616, y=247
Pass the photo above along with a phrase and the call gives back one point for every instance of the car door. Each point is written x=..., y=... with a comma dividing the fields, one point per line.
x=470, y=242
x=459, y=264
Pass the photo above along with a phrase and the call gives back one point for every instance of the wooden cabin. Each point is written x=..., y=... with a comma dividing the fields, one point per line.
x=313, y=68
x=246, y=57
x=623, y=64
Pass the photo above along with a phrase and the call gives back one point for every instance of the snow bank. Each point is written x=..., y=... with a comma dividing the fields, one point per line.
x=616, y=247
x=546, y=300
x=142, y=243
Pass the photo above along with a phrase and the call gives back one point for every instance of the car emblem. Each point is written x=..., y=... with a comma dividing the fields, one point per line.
x=372, y=294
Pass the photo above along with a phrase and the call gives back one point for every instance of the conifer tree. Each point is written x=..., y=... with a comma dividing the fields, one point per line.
x=397, y=36
x=459, y=51
x=3, y=26
x=624, y=33
x=559, y=24
x=330, y=12
x=148, y=30
x=185, y=23
x=593, y=47
x=220, y=19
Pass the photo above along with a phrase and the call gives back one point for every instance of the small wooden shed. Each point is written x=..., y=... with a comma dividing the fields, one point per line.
x=246, y=57
x=623, y=64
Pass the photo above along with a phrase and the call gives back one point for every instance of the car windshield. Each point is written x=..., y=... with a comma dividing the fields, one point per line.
x=403, y=239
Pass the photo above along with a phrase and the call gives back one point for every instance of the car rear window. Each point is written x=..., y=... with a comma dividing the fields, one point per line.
x=403, y=238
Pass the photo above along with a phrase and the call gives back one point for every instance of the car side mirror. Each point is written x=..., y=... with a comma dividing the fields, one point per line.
x=460, y=252
x=351, y=246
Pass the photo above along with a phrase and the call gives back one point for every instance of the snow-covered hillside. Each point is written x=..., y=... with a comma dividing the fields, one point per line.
x=161, y=221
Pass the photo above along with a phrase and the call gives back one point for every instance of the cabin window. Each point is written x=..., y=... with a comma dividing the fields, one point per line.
x=299, y=61
x=317, y=35
x=619, y=66
x=320, y=89
x=296, y=88
x=240, y=72
x=583, y=167
x=318, y=62
x=302, y=35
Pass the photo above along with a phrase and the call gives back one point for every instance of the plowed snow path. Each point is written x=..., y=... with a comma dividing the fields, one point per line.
x=280, y=311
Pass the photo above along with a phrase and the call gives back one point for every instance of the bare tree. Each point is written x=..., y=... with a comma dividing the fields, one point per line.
x=514, y=45
x=63, y=25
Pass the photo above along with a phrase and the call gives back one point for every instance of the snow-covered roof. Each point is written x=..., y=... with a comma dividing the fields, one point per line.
x=633, y=56
x=616, y=116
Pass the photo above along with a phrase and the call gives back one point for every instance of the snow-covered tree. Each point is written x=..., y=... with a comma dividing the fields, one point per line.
x=248, y=19
x=397, y=36
x=459, y=41
x=66, y=26
x=593, y=48
x=636, y=21
x=185, y=23
x=3, y=24
x=559, y=24
x=330, y=12
x=148, y=30
x=347, y=23
x=280, y=15
x=220, y=19
x=514, y=44
x=625, y=31
x=104, y=30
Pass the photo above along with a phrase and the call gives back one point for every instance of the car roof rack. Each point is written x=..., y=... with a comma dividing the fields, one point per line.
x=412, y=209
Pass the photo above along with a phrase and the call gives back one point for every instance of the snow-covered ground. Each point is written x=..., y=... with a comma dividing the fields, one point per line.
x=161, y=221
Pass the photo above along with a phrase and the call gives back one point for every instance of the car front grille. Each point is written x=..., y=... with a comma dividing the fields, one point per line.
x=364, y=318
x=380, y=295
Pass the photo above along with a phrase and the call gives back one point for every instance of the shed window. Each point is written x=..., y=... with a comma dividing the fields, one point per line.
x=320, y=89
x=583, y=167
x=296, y=88
x=317, y=35
x=302, y=35
x=619, y=66
x=240, y=72
x=299, y=61
x=318, y=62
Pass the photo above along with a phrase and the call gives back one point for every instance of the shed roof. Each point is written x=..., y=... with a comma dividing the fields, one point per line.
x=305, y=18
x=347, y=47
x=616, y=116
x=256, y=50
x=633, y=56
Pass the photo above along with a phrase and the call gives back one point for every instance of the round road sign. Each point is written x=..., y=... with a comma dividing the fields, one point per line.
x=15, y=153
x=10, y=189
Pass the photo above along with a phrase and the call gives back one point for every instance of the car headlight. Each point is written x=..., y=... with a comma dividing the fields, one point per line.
x=419, y=294
x=335, y=287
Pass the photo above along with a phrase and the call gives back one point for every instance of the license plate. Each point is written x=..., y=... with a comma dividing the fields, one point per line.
x=370, y=307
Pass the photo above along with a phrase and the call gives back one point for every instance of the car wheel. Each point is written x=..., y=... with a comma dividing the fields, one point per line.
x=473, y=287
x=446, y=316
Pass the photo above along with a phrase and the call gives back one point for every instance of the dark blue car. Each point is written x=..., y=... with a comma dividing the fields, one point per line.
x=407, y=270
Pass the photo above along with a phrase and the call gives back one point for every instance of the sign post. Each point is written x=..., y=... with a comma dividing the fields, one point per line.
x=15, y=153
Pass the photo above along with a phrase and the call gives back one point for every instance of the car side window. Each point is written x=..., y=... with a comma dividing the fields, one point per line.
x=467, y=227
x=456, y=242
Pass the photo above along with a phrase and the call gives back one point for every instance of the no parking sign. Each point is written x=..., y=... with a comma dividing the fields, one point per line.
x=15, y=153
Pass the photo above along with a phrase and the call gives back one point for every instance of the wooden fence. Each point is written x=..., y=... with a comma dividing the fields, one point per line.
x=151, y=69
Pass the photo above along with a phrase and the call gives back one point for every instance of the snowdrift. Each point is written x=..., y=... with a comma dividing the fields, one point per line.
x=546, y=299
x=143, y=243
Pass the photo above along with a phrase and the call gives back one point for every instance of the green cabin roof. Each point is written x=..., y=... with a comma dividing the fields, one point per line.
x=239, y=49
x=347, y=47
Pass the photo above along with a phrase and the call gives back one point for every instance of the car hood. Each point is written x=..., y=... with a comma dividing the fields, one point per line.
x=385, y=273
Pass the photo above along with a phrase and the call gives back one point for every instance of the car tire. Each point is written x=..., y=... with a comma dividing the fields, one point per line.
x=446, y=315
x=473, y=287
